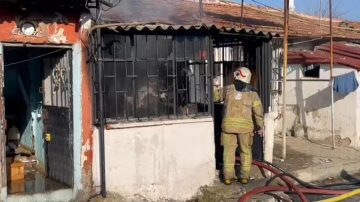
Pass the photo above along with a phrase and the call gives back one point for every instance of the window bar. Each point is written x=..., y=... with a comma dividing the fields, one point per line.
x=205, y=74
x=258, y=65
x=148, y=77
x=114, y=65
x=196, y=70
x=211, y=69
x=51, y=80
x=240, y=55
x=61, y=97
x=126, y=115
x=57, y=64
x=174, y=78
x=167, y=84
x=134, y=78
x=158, y=77
x=188, y=76
x=223, y=63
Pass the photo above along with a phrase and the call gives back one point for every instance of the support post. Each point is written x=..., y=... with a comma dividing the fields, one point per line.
x=285, y=66
x=332, y=77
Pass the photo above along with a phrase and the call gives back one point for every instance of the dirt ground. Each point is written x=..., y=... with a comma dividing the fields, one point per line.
x=302, y=155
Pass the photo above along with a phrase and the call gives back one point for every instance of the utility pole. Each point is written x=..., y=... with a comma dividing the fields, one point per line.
x=285, y=66
x=332, y=76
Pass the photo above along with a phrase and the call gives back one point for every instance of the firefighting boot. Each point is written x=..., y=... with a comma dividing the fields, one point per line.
x=230, y=181
x=244, y=180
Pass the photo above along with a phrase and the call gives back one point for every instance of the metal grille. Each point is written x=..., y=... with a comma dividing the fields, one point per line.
x=57, y=117
x=56, y=80
x=59, y=152
x=228, y=56
x=149, y=77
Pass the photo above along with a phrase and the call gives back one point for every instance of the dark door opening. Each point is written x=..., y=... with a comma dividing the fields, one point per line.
x=37, y=94
x=230, y=53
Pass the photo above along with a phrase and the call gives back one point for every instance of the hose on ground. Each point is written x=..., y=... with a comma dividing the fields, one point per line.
x=246, y=197
x=306, y=188
x=342, y=197
x=309, y=185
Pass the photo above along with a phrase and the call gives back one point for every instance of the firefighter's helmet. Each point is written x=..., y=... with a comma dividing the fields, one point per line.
x=243, y=74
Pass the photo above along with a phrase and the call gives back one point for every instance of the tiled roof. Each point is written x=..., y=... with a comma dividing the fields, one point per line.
x=226, y=16
x=271, y=20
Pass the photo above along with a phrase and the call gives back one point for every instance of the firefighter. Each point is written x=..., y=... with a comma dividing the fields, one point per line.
x=243, y=114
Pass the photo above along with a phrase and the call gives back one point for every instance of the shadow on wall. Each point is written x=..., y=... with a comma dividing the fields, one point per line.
x=301, y=105
x=321, y=99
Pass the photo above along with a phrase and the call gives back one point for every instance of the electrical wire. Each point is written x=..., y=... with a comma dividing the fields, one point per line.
x=296, y=17
x=265, y=5
x=33, y=58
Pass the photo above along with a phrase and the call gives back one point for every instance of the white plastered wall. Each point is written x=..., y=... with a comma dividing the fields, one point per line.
x=158, y=160
x=309, y=103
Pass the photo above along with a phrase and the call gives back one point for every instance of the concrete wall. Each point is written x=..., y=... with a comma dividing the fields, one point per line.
x=158, y=160
x=309, y=107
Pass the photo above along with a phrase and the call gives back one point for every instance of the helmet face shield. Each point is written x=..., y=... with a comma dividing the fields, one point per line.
x=243, y=74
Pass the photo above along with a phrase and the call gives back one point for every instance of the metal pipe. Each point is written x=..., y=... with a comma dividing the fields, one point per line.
x=332, y=77
x=101, y=120
x=201, y=9
x=320, y=8
x=242, y=12
x=285, y=54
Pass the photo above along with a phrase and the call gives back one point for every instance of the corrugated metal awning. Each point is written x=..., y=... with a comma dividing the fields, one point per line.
x=140, y=15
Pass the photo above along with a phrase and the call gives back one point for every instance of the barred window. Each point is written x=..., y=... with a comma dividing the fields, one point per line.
x=155, y=77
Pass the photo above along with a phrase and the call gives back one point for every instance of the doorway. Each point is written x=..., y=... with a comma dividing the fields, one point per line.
x=231, y=53
x=37, y=102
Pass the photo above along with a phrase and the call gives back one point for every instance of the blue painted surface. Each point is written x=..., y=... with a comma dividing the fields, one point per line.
x=15, y=102
x=29, y=122
x=37, y=126
x=77, y=114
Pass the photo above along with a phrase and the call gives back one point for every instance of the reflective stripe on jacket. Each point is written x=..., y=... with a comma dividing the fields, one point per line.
x=242, y=110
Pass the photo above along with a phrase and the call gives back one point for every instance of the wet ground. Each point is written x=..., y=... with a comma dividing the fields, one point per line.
x=34, y=180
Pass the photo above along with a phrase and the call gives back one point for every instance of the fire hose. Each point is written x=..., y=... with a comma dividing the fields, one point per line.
x=301, y=188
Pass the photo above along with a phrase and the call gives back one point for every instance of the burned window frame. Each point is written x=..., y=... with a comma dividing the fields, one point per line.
x=193, y=55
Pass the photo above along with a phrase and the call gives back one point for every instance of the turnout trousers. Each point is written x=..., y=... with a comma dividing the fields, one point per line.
x=230, y=142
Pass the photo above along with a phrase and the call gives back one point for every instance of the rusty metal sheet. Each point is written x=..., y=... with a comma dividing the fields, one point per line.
x=344, y=54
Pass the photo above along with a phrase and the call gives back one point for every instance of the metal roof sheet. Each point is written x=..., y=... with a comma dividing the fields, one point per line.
x=344, y=54
x=225, y=16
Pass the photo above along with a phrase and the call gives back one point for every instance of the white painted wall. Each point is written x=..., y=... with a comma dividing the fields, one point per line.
x=158, y=160
x=310, y=102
